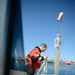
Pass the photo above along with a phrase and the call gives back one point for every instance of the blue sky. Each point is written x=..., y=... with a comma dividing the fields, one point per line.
x=39, y=19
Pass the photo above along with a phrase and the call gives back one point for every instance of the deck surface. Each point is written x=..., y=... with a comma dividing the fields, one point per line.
x=12, y=72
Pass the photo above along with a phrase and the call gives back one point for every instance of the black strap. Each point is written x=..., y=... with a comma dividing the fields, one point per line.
x=33, y=59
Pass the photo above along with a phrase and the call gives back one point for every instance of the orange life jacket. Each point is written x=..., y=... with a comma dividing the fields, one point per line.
x=34, y=53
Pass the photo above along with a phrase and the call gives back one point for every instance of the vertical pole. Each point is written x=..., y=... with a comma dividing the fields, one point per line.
x=61, y=26
x=57, y=45
x=57, y=59
x=57, y=55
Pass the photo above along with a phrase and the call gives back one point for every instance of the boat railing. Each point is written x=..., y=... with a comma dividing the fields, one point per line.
x=44, y=67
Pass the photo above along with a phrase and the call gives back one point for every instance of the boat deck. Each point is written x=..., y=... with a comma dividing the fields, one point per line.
x=12, y=72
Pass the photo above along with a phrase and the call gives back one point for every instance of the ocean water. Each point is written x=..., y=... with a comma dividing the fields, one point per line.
x=64, y=69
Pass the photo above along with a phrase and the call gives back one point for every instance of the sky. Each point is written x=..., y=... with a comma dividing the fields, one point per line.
x=39, y=20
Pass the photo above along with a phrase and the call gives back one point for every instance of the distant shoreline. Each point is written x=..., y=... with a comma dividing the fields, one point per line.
x=61, y=63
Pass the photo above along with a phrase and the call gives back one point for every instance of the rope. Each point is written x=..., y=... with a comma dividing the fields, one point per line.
x=61, y=26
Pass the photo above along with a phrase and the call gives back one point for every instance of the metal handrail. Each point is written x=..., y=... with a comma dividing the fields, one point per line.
x=44, y=64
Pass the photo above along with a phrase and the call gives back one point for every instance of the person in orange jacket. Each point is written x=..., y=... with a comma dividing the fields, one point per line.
x=34, y=59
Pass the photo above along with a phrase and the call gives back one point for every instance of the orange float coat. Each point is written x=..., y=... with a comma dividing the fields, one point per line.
x=33, y=58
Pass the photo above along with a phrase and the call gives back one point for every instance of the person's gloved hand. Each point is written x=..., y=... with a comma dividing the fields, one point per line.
x=46, y=56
